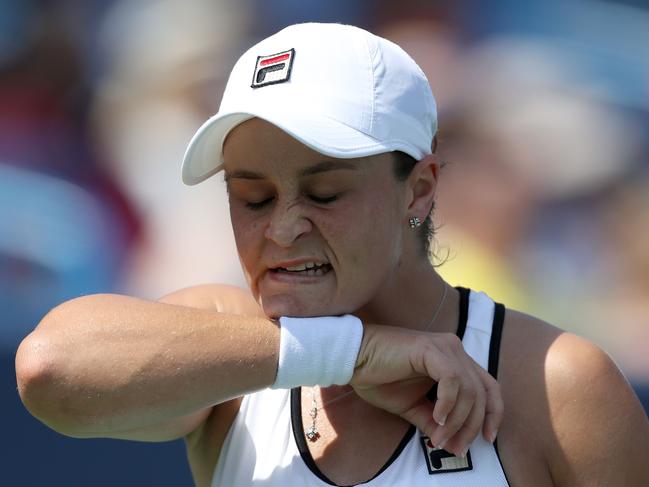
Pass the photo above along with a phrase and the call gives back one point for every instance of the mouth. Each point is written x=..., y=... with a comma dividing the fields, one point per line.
x=307, y=269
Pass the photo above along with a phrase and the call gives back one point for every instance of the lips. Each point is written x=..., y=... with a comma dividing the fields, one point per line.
x=303, y=269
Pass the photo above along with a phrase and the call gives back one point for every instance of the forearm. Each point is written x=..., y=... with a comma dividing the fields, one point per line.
x=107, y=363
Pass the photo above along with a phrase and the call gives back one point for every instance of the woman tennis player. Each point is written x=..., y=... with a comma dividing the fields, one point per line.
x=349, y=360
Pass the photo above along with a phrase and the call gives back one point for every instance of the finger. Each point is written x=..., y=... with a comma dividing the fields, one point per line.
x=494, y=406
x=459, y=443
x=471, y=393
x=439, y=368
x=421, y=416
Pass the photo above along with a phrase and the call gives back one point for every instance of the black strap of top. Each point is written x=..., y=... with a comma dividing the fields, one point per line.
x=496, y=336
x=494, y=357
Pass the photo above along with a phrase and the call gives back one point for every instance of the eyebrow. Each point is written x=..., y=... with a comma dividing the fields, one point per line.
x=242, y=174
x=320, y=167
x=325, y=166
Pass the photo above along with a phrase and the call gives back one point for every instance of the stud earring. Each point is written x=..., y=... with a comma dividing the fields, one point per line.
x=414, y=222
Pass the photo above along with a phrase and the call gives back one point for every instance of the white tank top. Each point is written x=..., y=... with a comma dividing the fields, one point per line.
x=266, y=446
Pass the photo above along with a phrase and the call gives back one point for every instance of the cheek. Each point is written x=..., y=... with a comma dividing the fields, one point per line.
x=369, y=239
x=375, y=248
x=248, y=236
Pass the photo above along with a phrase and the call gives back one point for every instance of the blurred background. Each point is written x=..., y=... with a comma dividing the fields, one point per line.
x=543, y=202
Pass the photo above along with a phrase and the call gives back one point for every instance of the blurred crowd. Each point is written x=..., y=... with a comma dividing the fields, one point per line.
x=544, y=116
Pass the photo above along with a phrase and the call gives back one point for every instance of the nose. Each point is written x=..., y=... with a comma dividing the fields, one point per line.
x=287, y=224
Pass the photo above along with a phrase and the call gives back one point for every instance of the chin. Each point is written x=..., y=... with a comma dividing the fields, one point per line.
x=285, y=305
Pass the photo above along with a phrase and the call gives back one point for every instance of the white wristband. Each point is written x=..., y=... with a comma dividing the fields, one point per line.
x=317, y=351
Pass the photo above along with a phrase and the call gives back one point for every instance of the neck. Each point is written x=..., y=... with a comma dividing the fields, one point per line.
x=410, y=299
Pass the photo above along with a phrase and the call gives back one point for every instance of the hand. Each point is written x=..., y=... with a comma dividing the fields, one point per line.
x=397, y=367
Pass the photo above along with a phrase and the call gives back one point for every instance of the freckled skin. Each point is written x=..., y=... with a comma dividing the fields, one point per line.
x=362, y=229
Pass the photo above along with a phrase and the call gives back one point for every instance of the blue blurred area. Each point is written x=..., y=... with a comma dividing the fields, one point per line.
x=642, y=390
x=56, y=241
x=34, y=455
x=605, y=41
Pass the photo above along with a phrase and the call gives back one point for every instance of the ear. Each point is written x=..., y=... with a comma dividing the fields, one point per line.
x=422, y=184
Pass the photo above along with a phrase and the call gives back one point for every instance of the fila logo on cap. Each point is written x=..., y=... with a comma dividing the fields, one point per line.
x=272, y=69
x=441, y=461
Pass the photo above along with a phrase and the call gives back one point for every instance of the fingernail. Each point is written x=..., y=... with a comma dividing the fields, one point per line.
x=493, y=436
x=441, y=421
x=463, y=452
x=441, y=444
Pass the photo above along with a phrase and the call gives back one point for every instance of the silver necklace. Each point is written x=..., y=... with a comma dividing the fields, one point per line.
x=312, y=433
x=439, y=308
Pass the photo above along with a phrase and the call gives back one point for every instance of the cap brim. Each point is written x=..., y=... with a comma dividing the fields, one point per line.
x=204, y=155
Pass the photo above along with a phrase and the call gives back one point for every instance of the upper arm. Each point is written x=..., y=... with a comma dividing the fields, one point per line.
x=169, y=430
x=600, y=428
x=218, y=297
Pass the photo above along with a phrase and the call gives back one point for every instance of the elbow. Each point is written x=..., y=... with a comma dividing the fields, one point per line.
x=35, y=377
x=41, y=381
x=56, y=370
x=35, y=363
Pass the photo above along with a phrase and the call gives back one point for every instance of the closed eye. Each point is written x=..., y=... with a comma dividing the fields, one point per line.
x=258, y=205
x=323, y=200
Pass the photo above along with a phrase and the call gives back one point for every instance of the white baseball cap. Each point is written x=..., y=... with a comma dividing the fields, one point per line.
x=338, y=89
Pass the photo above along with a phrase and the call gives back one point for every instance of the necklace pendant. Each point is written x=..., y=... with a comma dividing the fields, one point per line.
x=312, y=434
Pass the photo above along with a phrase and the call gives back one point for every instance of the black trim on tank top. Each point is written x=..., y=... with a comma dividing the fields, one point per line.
x=494, y=357
x=496, y=336
x=298, y=434
x=464, y=311
x=296, y=409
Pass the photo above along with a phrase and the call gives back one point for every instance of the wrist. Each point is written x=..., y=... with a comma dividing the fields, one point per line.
x=317, y=351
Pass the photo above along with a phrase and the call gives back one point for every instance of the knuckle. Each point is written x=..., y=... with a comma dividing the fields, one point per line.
x=453, y=340
x=480, y=388
x=452, y=378
x=499, y=408
x=470, y=393
x=496, y=389
x=491, y=381
x=424, y=345
x=424, y=342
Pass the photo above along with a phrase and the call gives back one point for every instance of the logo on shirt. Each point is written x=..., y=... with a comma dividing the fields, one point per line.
x=441, y=461
x=272, y=69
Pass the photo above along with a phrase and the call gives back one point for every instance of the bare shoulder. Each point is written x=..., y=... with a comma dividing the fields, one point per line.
x=565, y=393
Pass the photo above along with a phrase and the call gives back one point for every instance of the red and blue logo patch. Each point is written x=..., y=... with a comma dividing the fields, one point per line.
x=273, y=69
